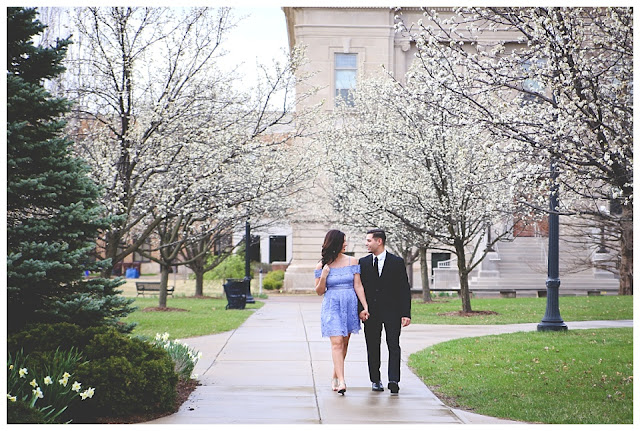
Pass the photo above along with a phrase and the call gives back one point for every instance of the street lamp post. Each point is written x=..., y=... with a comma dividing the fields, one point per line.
x=552, y=321
x=247, y=262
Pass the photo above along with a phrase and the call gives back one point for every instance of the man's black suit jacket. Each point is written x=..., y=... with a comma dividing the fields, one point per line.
x=388, y=295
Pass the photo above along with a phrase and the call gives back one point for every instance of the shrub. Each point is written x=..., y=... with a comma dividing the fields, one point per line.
x=273, y=280
x=123, y=370
x=45, y=337
x=231, y=267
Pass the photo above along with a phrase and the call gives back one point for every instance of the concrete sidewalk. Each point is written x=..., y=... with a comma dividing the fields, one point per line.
x=276, y=369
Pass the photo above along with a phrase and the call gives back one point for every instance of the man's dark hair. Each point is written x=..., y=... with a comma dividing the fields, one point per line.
x=378, y=233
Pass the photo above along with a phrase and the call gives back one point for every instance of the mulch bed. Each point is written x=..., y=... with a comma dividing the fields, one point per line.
x=463, y=314
x=183, y=390
x=163, y=309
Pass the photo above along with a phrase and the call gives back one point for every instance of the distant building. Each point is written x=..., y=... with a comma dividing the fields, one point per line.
x=343, y=42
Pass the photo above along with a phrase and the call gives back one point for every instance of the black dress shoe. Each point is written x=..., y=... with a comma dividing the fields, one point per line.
x=377, y=386
x=393, y=387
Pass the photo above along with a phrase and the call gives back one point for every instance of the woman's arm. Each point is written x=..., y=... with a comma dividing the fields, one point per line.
x=321, y=282
x=357, y=285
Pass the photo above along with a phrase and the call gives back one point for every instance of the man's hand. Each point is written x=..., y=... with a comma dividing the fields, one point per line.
x=364, y=315
x=406, y=321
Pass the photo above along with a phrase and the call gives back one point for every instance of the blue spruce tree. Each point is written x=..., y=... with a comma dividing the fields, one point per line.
x=53, y=215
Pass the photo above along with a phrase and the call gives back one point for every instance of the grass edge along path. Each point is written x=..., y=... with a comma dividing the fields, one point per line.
x=192, y=317
x=574, y=377
x=522, y=310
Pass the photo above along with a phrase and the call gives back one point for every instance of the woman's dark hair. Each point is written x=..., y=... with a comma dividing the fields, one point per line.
x=333, y=241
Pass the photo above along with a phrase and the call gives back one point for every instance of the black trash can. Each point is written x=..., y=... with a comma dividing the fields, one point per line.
x=236, y=291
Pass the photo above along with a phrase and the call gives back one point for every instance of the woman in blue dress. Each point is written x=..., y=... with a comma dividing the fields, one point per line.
x=338, y=279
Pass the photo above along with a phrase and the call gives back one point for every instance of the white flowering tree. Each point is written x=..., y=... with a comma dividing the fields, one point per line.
x=171, y=137
x=559, y=82
x=215, y=185
x=401, y=160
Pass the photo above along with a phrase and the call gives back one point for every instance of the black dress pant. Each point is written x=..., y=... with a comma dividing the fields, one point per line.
x=373, y=334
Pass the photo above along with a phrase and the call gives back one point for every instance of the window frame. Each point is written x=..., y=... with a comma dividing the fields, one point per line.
x=360, y=59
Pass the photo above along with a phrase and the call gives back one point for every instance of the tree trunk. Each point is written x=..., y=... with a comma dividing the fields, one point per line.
x=409, y=269
x=110, y=252
x=424, y=272
x=164, y=281
x=463, y=275
x=626, y=252
x=199, y=283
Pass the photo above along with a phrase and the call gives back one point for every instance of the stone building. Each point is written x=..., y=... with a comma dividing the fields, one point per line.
x=344, y=42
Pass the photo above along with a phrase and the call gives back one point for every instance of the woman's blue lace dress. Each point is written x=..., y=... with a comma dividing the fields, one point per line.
x=339, y=314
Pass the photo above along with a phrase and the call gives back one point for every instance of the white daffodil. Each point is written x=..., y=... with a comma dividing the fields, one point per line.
x=38, y=393
x=87, y=394
x=48, y=380
x=76, y=386
x=23, y=372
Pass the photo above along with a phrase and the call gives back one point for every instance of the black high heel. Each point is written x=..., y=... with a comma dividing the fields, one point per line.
x=342, y=388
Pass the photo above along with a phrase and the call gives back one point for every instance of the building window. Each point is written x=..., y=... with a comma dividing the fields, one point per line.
x=438, y=257
x=532, y=82
x=277, y=248
x=346, y=69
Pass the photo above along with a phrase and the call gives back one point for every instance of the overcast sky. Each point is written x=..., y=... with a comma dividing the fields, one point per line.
x=258, y=38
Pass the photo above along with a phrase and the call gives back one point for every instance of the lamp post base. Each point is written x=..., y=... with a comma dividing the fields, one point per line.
x=552, y=321
x=552, y=326
x=250, y=299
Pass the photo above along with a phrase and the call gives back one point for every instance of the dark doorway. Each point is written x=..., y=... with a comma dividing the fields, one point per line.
x=277, y=248
x=438, y=257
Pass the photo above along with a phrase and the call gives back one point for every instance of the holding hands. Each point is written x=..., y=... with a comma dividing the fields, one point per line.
x=364, y=315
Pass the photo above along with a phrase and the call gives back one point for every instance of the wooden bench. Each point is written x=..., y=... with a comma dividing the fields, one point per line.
x=143, y=287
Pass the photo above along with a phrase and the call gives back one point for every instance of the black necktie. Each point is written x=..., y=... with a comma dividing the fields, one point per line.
x=375, y=266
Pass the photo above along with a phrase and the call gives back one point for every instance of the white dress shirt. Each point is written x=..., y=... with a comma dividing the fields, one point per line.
x=381, y=258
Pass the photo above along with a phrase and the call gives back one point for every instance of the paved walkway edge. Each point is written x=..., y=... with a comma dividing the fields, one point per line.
x=278, y=365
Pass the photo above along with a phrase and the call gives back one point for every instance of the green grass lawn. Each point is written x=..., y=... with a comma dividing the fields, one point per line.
x=203, y=317
x=578, y=376
x=523, y=310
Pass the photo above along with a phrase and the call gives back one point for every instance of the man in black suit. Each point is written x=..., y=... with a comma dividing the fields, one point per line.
x=386, y=287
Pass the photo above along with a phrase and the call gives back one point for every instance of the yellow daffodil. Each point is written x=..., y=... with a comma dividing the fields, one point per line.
x=11, y=398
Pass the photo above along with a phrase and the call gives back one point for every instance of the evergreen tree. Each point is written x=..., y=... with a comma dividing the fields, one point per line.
x=53, y=218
